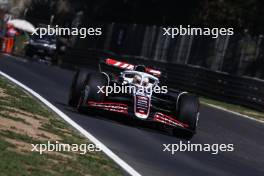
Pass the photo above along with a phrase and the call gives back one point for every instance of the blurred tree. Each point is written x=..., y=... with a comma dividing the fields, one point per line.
x=40, y=11
x=239, y=14
x=138, y=11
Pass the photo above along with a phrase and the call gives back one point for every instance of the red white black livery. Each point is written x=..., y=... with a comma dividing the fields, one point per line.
x=172, y=109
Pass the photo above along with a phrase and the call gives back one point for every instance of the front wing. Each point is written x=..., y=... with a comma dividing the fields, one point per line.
x=168, y=120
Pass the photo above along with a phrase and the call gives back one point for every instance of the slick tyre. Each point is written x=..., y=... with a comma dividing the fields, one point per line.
x=77, y=87
x=91, y=90
x=188, y=110
x=93, y=82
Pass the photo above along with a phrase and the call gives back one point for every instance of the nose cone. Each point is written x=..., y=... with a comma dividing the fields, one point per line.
x=141, y=106
x=141, y=116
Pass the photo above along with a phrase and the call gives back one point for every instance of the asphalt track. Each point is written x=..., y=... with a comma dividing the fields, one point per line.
x=142, y=148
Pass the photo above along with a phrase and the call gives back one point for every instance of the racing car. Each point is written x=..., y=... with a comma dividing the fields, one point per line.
x=173, y=109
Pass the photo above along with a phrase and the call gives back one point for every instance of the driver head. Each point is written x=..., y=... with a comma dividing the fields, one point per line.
x=137, y=80
x=145, y=82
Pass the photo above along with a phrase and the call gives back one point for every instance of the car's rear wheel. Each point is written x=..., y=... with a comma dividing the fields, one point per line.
x=188, y=111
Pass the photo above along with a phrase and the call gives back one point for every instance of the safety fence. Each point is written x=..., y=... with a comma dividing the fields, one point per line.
x=240, y=54
x=244, y=91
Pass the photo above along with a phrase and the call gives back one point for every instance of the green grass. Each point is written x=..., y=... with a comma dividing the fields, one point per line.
x=13, y=118
x=19, y=99
x=236, y=108
x=14, y=161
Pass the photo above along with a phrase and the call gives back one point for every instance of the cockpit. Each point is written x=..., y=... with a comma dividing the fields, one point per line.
x=139, y=79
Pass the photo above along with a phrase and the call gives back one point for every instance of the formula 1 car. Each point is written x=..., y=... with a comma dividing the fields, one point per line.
x=134, y=91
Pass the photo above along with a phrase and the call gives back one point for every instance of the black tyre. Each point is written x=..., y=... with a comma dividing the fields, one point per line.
x=91, y=91
x=188, y=109
x=94, y=81
x=77, y=87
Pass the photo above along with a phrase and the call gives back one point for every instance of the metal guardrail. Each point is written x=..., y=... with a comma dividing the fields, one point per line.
x=244, y=91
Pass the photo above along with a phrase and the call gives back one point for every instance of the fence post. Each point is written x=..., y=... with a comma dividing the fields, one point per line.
x=158, y=46
x=182, y=41
x=189, y=49
x=146, y=41
x=224, y=52
x=152, y=43
x=165, y=49
x=108, y=36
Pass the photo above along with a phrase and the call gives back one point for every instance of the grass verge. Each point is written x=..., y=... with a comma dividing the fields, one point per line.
x=236, y=108
x=25, y=121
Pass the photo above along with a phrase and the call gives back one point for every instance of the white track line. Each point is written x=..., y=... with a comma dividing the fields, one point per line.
x=233, y=112
x=105, y=149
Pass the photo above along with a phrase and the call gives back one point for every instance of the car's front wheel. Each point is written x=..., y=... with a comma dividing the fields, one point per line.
x=92, y=89
x=77, y=86
x=188, y=111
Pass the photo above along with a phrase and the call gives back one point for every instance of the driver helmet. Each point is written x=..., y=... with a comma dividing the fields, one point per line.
x=145, y=82
x=137, y=80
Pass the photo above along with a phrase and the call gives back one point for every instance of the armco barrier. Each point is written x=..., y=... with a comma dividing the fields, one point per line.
x=244, y=91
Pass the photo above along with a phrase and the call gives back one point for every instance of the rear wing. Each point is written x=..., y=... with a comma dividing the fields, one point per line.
x=126, y=66
x=120, y=65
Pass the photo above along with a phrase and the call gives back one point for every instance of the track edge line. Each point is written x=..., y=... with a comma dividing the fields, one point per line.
x=88, y=135
x=233, y=112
